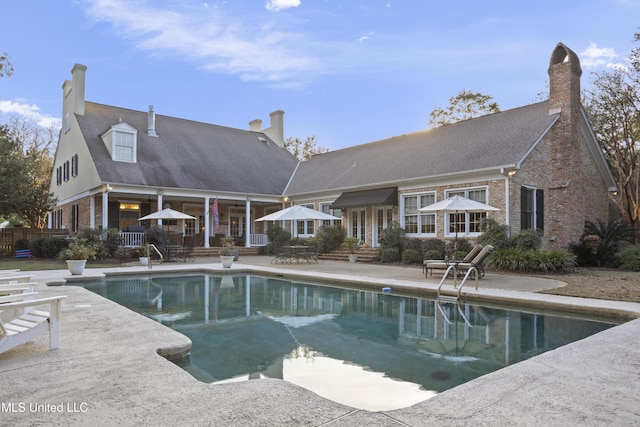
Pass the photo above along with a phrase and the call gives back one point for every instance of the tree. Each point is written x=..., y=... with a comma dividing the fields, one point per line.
x=464, y=106
x=25, y=172
x=6, y=68
x=303, y=150
x=613, y=107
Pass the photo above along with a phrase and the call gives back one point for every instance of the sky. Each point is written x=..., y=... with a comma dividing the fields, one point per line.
x=347, y=72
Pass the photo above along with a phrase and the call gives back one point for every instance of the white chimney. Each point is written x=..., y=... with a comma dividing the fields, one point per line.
x=77, y=87
x=151, y=128
x=276, y=131
x=255, y=125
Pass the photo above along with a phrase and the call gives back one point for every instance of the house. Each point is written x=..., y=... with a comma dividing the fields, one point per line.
x=540, y=164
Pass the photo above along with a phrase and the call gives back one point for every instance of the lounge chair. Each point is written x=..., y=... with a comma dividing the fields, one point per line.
x=29, y=321
x=9, y=279
x=462, y=266
x=468, y=258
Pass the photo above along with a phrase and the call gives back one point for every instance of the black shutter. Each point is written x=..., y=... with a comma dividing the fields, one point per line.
x=523, y=208
x=539, y=209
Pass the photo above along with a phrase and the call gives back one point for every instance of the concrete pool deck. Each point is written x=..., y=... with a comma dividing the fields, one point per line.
x=107, y=370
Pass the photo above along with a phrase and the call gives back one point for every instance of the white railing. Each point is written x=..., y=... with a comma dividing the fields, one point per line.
x=258, y=239
x=130, y=239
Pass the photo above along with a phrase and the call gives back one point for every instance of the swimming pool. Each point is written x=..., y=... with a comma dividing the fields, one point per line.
x=362, y=348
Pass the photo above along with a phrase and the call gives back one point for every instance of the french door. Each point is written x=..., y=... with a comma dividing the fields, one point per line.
x=358, y=224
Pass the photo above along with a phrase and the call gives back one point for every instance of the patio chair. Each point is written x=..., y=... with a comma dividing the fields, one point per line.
x=187, y=251
x=462, y=267
x=30, y=321
x=9, y=279
x=468, y=258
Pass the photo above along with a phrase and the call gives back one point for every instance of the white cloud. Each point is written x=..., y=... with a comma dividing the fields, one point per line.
x=596, y=57
x=278, y=5
x=29, y=111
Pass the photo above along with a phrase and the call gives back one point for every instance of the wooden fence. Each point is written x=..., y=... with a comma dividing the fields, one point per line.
x=9, y=237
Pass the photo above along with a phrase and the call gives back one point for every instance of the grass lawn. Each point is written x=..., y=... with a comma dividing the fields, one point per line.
x=50, y=264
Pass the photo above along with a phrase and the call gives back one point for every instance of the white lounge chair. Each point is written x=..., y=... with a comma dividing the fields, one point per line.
x=9, y=279
x=5, y=287
x=31, y=322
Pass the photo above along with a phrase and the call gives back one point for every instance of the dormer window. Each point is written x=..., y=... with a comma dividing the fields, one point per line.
x=121, y=141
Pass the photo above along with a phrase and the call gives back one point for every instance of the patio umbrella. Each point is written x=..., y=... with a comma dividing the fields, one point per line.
x=297, y=213
x=167, y=213
x=458, y=204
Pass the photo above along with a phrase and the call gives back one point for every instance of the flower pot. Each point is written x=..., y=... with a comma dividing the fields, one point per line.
x=76, y=266
x=144, y=260
x=226, y=260
x=353, y=257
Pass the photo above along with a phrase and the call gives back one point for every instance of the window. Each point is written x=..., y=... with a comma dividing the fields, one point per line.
x=531, y=208
x=74, y=217
x=466, y=223
x=325, y=208
x=121, y=140
x=59, y=175
x=419, y=223
x=306, y=227
x=67, y=123
x=123, y=147
x=74, y=165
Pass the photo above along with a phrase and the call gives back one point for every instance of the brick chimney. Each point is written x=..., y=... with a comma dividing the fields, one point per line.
x=565, y=195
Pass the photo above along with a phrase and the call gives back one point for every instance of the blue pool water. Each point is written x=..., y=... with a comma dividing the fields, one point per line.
x=366, y=349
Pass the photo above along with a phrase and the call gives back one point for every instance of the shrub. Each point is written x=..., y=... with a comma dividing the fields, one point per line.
x=527, y=239
x=462, y=245
x=393, y=237
x=80, y=249
x=433, y=245
x=156, y=236
x=21, y=244
x=630, y=257
x=411, y=256
x=432, y=254
x=528, y=260
x=610, y=235
x=413, y=244
x=48, y=247
x=278, y=236
x=493, y=234
x=390, y=255
x=332, y=237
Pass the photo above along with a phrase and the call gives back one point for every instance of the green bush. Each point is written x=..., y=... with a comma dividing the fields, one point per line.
x=331, y=236
x=434, y=245
x=393, y=237
x=630, y=258
x=48, y=247
x=610, y=235
x=528, y=260
x=527, y=239
x=21, y=244
x=390, y=255
x=432, y=254
x=414, y=244
x=411, y=256
x=462, y=245
x=493, y=234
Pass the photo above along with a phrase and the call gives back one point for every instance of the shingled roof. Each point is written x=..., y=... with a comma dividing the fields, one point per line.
x=188, y=154
x=486, y=142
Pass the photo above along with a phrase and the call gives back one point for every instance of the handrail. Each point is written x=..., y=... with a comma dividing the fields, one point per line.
x=444, y=277
x=446, y=318
x=466, y=276
x=157, y=251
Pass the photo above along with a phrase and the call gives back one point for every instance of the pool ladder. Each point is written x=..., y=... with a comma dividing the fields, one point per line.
x=151, y=245
x=454, y=299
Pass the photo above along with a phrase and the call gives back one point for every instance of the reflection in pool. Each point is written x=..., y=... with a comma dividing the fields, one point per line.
x=362, y=348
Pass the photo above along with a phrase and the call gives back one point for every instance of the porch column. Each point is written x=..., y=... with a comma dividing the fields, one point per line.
x=105, y=209
x=207, y=221
x=247, y=215
x=160, y=194
x=92, y=211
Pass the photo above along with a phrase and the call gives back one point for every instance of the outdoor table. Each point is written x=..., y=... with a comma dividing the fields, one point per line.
x=292, y=253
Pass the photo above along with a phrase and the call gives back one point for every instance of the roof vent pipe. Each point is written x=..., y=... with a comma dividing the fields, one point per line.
x=151, y=129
